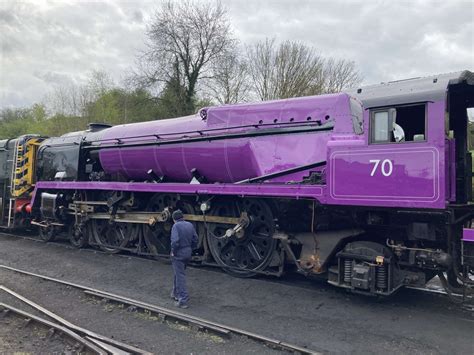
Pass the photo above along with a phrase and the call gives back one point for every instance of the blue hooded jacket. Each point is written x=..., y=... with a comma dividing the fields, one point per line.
x=183, y=239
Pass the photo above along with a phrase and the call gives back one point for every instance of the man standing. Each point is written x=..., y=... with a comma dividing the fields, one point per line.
x=183, y=240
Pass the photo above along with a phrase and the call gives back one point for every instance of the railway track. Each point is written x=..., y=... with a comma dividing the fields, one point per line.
x=197, y=323
x=84, y=338
x=406, y=303
x=437, y=291
x=79, y=343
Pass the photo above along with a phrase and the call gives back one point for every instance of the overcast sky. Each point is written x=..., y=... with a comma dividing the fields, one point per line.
x=45, y=44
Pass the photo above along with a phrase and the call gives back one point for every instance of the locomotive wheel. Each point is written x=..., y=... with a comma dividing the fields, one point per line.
x=78, y=235
x=48, y=234
x=112, y=236
x=158, y=237
x=243, y=254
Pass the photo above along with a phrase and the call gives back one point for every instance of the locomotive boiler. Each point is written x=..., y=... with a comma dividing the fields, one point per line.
x=370, y=188
x=229, y=144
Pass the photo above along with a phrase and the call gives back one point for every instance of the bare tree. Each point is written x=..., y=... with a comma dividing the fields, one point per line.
x=184, y=39
x=99, y=82
x=293, y=69
x=287, y=70
x=72, y=99
x=66, y=99
x=340, y=74
x=260, y=57
x=298, y=70
x=230, y=82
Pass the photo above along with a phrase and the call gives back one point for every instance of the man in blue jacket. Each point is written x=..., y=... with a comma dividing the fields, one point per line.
x=183, y=240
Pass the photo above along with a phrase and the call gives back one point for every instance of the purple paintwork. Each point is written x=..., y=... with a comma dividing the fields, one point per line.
x=421, y=174
x=266, y=190
x=229, y=160
x=450, y=169
x=468, y=235
x=414, y=171
x=415, y=176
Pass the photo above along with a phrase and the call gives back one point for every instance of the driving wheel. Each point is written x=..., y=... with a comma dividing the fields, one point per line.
x=248, y=251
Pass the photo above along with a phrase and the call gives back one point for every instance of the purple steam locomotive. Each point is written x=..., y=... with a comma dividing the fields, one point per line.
x=369, y=188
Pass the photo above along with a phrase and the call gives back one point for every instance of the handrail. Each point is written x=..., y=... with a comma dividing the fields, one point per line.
x=119, y=143
x=200, y=132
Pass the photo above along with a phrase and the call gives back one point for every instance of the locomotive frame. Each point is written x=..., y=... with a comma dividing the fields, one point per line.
x=373, y=196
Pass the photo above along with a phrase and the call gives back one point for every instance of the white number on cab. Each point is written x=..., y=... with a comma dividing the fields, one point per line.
x=386, y=167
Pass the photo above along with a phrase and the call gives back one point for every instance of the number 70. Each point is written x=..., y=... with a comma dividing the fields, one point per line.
x=386, y=167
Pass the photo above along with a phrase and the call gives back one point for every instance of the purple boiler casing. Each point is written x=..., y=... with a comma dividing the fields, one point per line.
x=229, y=160
x=410, y=174
x=417, y=174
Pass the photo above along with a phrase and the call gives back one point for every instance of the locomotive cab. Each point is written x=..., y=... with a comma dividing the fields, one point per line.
x=422, y=114
x=460, y=100
x=419, y=166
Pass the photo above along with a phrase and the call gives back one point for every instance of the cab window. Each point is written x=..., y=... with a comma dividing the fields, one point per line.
x=398, y=124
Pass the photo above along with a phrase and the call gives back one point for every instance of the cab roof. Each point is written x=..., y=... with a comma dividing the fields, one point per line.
x=421, y=89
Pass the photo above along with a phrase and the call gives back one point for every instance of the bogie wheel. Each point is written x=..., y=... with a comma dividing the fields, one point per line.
x=158, y=237
x=48, y=234
x=111, y=237
x=78, y=235
x=242, y=254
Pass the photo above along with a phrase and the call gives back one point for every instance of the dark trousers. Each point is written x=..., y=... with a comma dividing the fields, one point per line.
x=179, y=283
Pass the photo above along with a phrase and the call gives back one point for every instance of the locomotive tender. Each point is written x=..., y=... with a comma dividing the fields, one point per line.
x=370, y=188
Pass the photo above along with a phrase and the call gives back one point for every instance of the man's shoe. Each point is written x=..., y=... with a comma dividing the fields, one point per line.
x=174, y=298
x=181, y=305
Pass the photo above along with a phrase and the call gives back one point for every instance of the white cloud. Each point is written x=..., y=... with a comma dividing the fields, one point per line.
x=44, y=43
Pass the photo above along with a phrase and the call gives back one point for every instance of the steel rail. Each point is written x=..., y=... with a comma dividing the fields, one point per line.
x=162, y=312
x=110, y=348
x=85, y=342
x=198, y=322
x=138, y=255
x=152, y=308
x=433, y=291
x=75, y=328
x=213, y=265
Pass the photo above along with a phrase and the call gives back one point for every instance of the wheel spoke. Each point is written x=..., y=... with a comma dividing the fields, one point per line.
x=78, y=236
x=121, y=234
x=237, y=255
x=227, y=250
x=254, y=253
x=157, y=238
x=112, y=237
x=250, y=251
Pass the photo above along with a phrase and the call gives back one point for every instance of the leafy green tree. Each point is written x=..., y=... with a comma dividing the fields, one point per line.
x=173, y=102
x=71, y=109
x=105, y=108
